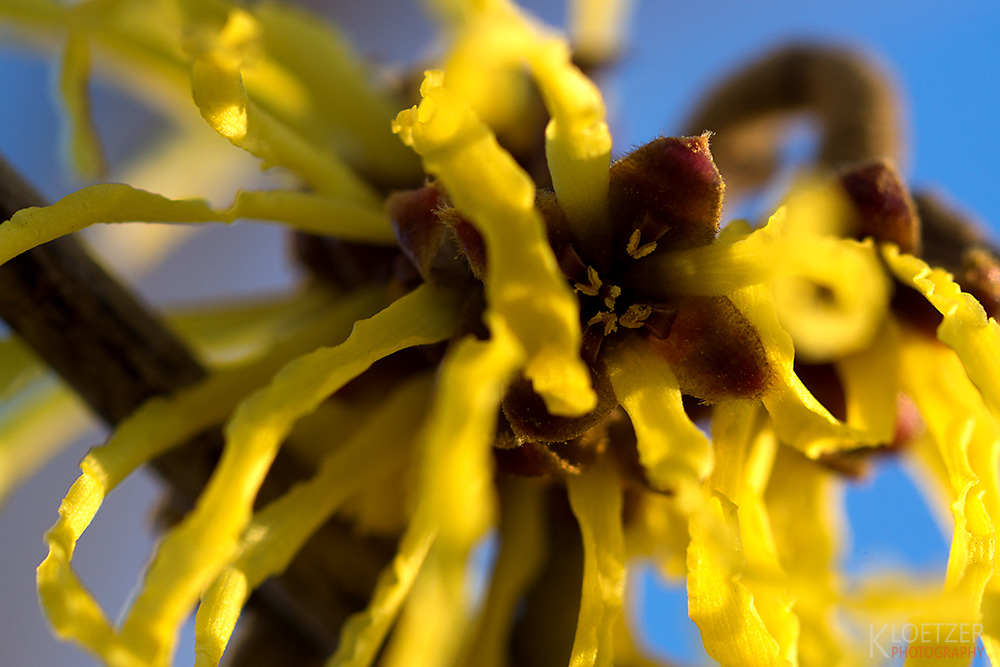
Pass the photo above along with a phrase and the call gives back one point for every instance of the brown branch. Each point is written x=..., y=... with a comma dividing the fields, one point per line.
x=115, y=354
x=852, y=102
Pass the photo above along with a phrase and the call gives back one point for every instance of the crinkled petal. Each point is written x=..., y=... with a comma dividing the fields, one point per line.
x=965, y=328
x=596, y=499
x=675, y=453
x=218, y=89
x=278, y=532
x=496, y=41
x=362, y=635
x=745, y=452
x=722, y=606
x=524, y=287
x=456, y=493
x=804, y=504
x=799, y=419
x=158, y=425
x=968, y=438
x=114, y=202
x=194, y=552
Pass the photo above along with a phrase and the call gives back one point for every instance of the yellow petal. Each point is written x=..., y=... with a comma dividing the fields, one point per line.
x=596, y=499
x=456, y=493
x=745, y=452
x=85, y=147
x=965, y=328
x=194, y=552
x=158, y=425
x=31, y=227
x=835, y=297
x=316, y=214
x=114, y=202
x=968, y=438
x=799, y=419
x=496, y=41
x=674, y=452
x=736, y=260
x=363, y=633
x=804, y=504
x=524, y=287
x=278, y=531
x=871, y=383
x=218, y=89
x=732, y=630
x=341, y=93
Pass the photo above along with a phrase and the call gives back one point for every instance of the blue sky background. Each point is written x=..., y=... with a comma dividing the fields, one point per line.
x=944, y=57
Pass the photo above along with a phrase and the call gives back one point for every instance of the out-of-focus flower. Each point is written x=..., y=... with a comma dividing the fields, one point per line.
x=518, y=337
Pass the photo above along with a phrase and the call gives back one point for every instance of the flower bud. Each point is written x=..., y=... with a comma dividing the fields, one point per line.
x=670, y=190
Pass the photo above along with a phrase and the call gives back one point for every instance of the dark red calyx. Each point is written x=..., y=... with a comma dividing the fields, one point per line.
x=715, y=351
x=883, y=206
x=530, y=421
x=980, y=276
x=670, y=191
x=533, y=459
x=424, y=238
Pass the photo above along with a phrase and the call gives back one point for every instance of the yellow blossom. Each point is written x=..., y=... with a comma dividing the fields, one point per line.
x=505, y=334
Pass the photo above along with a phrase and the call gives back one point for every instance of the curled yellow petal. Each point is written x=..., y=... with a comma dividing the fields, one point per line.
x=804, y=505
x=596, y=499
x=674, y=452
x=316, y=214
x=799, y=419
x=722, y=606
x=745, y=452
x=965, y=327
x=485, y=68
x=523, y=286
x=279, y=530
x=113, y=202
x=456, y=493
x=820, y=302
x=363, y=633
x=218, y=89
x=967, y=436
x=194, y=552
x=158, y=425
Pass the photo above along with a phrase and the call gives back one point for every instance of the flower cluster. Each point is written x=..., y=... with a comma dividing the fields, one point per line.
x=506, y=332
